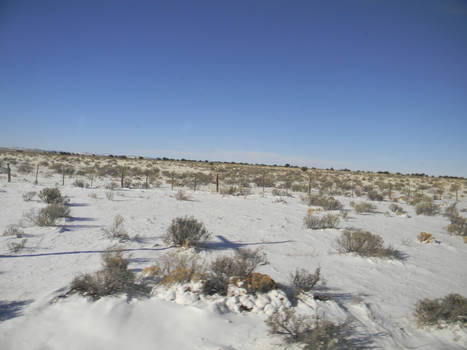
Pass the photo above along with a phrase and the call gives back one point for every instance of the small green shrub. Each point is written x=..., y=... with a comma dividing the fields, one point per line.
x=327, y=203
x=117, y=229
x=241, y=265
x=315, y=222
x=450, y=309
x=365, y=243
x=114, y=278
x=79, y=183
x=16, y=247
x=186, y=231
x=51, y=196
x=303, y=281
x=312, y=333
x=14, y=230
x=49, y=215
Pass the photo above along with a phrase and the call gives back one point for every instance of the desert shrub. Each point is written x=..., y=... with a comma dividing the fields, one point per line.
x=79, y=183
x=451, y=211
x=28, y=196
x=315, y=222
x=313, y=333
x=109, y=195
x=427, y=207
x=13, y=230
x=51, y=196
x=114, y=278
x=181, y=196
x=374, y=196
x=235, y=190
x=327, y=203
x=223, y=268
x=117, y=229
x=450, y=309
x=458, y=225
x=396, y=209
x=365, y=243
x=278, y=192
x=363, y=207
x=425, y=237
x=49, y=215
x=111, y=186
x=186, y=231
x=16, y=247
x=304, y=281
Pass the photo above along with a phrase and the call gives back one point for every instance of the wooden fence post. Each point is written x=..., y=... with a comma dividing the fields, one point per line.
x=217, y=182
x=121, y=177
x=8, y=171
x=37, y=172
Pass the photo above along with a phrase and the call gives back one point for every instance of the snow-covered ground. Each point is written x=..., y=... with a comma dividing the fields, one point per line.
x=378, y=294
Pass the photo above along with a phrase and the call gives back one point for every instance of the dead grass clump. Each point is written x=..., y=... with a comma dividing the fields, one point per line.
x=186, y=232
x=441, y=312
x=363, y=207
x=425, y=237
x=315, y=222
x=313, y=333
x=366, y=244
x=175, y=268
x=117, y=229
x=427, y=207
x=114, y=278
x=451, y=211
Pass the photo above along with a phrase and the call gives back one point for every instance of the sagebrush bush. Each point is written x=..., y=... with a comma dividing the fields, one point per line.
x=374, y=196
x=304, y=281
x=79, y=183
x=186, y=231
x=114, y=278
x=365, y=243
x=242, y=264
x=363, y=207
x=451, y=211
x=427, y=207
x=28, y=196
x=450, y=309
x=181, y=196
x=117, y=229
x=16, y=247
x=327, y=203
x=49, y=215
x=315, y=222
x=51, y=196
x=458, y=225
x=13, y=230
x=396, y=209
x=312, y=333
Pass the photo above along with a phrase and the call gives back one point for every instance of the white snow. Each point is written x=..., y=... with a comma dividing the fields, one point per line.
x=378, y=294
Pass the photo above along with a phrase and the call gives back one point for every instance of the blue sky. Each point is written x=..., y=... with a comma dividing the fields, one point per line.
x=364, y=84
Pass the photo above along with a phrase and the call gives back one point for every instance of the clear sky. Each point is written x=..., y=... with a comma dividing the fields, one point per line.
x=364, y=84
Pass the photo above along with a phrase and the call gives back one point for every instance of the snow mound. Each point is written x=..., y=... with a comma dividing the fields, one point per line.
x=237, y=299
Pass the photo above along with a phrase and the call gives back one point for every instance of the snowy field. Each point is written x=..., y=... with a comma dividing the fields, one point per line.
x=378, y=295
